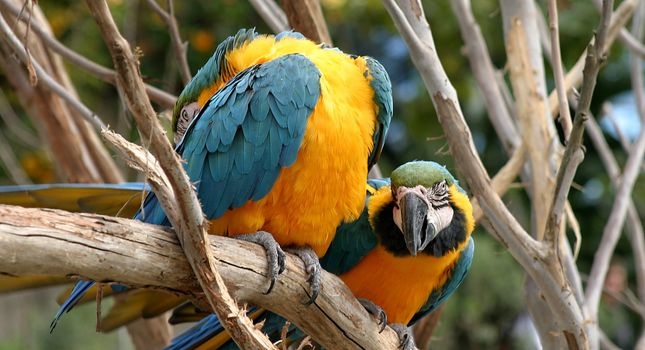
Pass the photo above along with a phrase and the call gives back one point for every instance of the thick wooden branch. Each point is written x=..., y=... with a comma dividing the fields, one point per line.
x=484, y=73
x=306, y=17
x=528, y=89
x=112, y=249
x=183, y=209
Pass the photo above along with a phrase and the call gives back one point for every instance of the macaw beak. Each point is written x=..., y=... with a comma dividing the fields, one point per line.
x=418, y=230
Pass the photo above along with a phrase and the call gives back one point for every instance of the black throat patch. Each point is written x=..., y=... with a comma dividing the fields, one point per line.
x=391, y=237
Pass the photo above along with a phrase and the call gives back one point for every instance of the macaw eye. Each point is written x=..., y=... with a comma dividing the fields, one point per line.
x=187, y=114
x=438, y=194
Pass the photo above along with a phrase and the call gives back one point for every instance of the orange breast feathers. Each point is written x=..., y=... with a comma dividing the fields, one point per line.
x=399, y=285
x=326, y=184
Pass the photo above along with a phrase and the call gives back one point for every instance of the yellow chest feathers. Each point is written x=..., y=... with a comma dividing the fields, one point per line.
x=400, y=285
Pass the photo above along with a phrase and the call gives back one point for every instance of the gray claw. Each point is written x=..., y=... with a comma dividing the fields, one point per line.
x=375, y=311
x=275, y=254
x=406, y=341
x=313, y=268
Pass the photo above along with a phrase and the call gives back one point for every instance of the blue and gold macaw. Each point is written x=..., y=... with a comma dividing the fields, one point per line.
x=406, y=254
x=404, y=224
x=259, y=125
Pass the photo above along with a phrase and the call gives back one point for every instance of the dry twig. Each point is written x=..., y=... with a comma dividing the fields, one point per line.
x=178, y=46
x=165, y=99
x=558, y=72
x=616, y=220
x=185, y=214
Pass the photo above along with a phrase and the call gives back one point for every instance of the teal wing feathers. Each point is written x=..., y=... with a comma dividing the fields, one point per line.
x=353, y=240
x=459, y=272
x=383, y=99
x=246, y=133
x=213, y=69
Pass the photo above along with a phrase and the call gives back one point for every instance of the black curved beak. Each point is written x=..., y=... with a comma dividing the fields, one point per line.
x=418, y=231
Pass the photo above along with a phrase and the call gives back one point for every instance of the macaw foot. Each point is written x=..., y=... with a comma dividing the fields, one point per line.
x=375, y=311
x=406, y=341
x=313, y=268
x=275, y=254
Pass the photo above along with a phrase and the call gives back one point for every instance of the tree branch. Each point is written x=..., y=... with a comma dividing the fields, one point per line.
x=178, y=46
x=306, y=17
x=185, y=214
x=573, y=78
x=410, y=20
x=110, y=249
x=558, y=71
x=272, y=14
x=165, y=99
x=616, y=220
x=484, y=73
x=527, y=79
x=45, y=78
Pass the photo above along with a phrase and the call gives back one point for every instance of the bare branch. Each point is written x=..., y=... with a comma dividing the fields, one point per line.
x=484, y=73
x=14, y=124
x=272, y=14
x=10, y=163
x=529, y=91
x=110, y=249
x=626, y=37
x=187, y=217
x=48, y=81
x=306, y=17
x=615, y=223
x=574, y=153
x=634, y=226
x=573, y=79
x=165, y=99
x=410, y=20
x=558, y=72
x=178, y=46
x=504, y=178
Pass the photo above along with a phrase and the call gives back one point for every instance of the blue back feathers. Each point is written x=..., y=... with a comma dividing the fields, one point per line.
x=382, y=87
x=248, y=131
x=214, y=68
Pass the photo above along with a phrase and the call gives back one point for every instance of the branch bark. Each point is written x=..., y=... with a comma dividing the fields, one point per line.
x=109, y=249
x=573, y=79
x=616, y=220
x=410, y=20
x=185, y=213
x=161, y=97
x=272, y=14
x=306, y=17
x=77, y=152
x=178, y=46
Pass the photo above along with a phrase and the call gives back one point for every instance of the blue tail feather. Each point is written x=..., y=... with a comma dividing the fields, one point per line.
x=79, y=290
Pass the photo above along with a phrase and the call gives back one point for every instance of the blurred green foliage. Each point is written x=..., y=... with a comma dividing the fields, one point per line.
x=488, y=306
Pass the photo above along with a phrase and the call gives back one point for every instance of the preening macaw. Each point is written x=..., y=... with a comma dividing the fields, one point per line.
x=259, y=125
x=406, y=254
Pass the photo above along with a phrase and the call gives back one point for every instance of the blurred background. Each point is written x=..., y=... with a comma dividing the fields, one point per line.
x=488, y=311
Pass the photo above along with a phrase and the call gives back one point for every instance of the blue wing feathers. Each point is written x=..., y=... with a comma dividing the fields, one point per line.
x=258, y=122
x=383, y=99
x=79, y=290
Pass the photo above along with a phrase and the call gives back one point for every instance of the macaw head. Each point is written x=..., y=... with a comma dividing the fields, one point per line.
x=430, y=209
x=206, y=82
